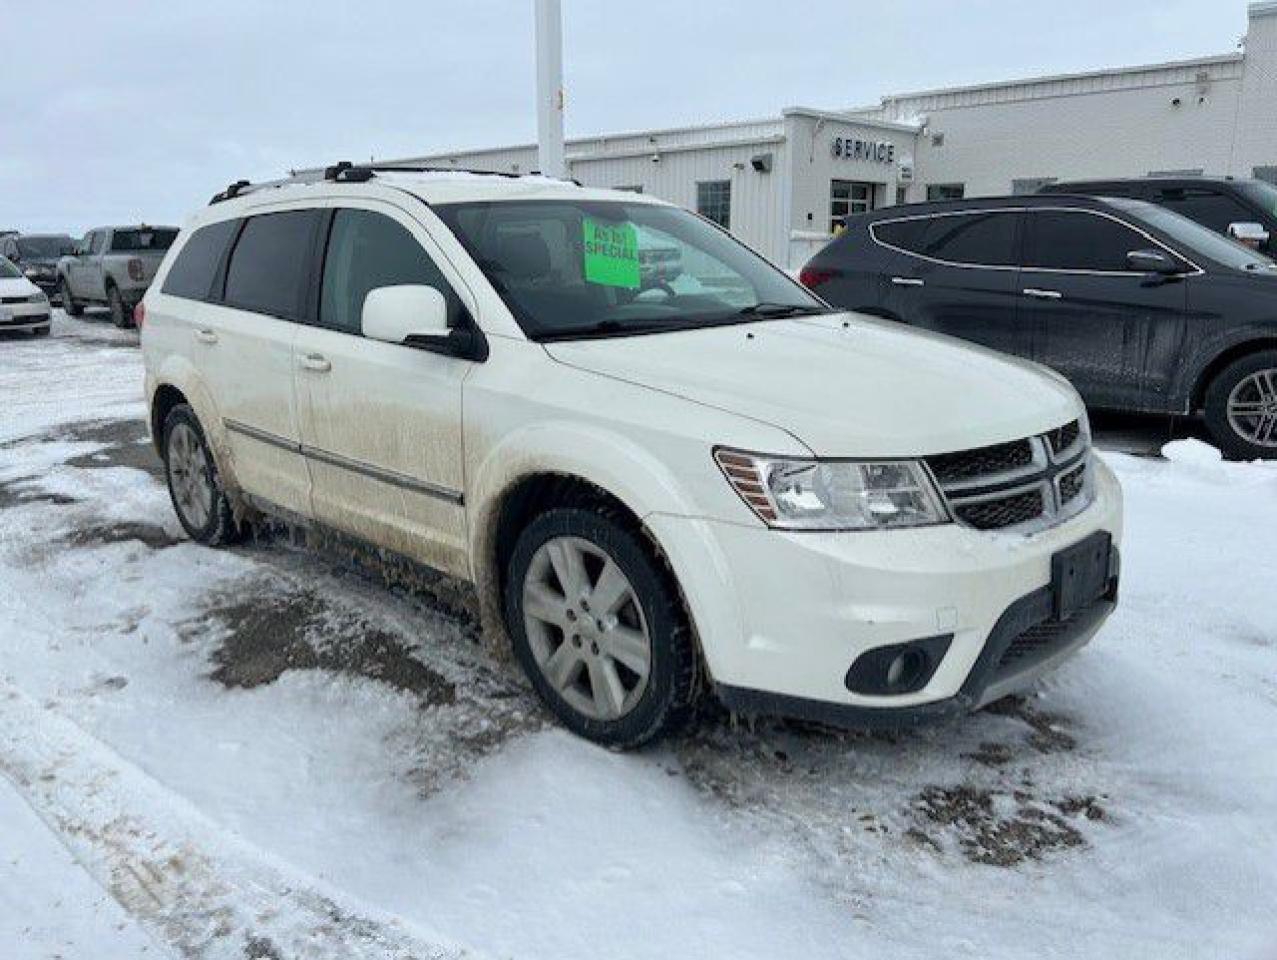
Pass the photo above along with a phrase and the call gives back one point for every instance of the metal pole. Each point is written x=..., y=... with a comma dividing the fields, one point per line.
x=549, y=29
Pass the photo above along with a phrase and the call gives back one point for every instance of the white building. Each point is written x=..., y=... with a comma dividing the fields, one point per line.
x=780, y=183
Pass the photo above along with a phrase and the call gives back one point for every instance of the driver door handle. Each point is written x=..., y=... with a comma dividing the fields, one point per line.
x=908, y=282
x=316, y=362
x=1038, y=294
x=206, y=336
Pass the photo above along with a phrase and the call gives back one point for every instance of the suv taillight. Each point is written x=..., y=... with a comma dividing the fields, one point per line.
x=135, y=269
x=139, y=314
x=811, y=277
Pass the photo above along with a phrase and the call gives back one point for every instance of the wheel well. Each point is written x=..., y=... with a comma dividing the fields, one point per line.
x=536, y=494
x=166, y=398
x=1232, y=354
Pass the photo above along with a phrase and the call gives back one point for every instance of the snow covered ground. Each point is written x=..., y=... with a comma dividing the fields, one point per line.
x=266, y=753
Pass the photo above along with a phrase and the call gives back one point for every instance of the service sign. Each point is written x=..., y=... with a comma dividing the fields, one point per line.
x=873, y=151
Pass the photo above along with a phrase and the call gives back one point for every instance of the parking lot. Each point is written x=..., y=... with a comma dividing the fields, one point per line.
x=264, y=751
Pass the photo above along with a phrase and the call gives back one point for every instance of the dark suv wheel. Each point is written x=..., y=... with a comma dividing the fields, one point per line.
x=194, y=485
x=599, y=629
x=1241, y=407
x=121, y=315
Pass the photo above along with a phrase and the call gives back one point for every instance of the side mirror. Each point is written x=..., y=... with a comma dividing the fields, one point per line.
x=1152, y=261
x=416, y=316
x=1251, y=234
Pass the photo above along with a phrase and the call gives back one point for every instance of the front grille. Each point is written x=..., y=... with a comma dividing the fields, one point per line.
x=1072, y=483
x=970, y=464
x=1002, y=511
x=1064, y=437
x=1016, y=482
x=12, y=300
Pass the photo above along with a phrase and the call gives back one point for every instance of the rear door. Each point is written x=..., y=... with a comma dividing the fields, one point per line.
x=956, y=273
x=244, y=345
x=1113, y=332
x=381, y=422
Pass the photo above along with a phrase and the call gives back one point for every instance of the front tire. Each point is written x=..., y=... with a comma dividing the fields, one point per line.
x=1241, y=407
x=194, y=484
x=599, y=629
x=68, y=302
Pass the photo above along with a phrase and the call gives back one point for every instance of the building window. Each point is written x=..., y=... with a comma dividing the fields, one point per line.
x=714, y=201
x=1025, y=185
x=945, y=191
x=631, y=188
x=847, y=198
x=902, y=195
x=1266, y=173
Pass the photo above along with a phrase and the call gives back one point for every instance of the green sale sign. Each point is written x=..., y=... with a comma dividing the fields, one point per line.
x=611, y=254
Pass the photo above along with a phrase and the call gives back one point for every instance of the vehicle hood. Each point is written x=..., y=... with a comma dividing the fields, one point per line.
x=844, y=385
x=17, y=287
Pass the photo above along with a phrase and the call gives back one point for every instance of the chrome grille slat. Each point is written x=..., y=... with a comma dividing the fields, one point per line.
x=1039, y=479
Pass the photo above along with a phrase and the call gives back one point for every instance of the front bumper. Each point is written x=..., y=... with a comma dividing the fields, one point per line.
x=782, y=616
x=24, y=316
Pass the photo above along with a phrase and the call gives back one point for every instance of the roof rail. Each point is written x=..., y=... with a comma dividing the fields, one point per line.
x=231, y=192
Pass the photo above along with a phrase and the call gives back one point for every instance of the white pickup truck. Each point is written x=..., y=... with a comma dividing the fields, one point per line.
x=113, y=266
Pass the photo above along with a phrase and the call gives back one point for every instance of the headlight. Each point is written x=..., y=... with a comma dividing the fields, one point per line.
x=31, y=272
x=833, y=494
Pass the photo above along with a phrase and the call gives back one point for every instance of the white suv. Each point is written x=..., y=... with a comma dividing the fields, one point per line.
x=660, y=483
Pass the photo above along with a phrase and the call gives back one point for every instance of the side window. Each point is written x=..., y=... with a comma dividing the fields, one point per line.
x=367, y=250
x=1208, y=207
x=195, y=269
x=905, y=234
x=1074, y=240
x=979, y=239
x=99, y=241
x=270, y=264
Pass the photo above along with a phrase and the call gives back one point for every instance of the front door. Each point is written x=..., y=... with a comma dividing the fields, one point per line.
x=381, y=422
x=1112, y=331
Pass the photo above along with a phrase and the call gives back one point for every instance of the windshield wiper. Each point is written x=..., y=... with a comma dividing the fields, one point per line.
x=617, y=328
x=772, y=311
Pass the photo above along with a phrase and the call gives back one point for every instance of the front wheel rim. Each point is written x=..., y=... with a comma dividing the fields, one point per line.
x=190, y=476
x=586, y=628
x=1252, y=408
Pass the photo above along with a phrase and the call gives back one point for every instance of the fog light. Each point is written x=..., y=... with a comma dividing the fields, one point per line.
x=899, y=668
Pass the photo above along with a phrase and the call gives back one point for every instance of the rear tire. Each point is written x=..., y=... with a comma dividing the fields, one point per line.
x=1241, y=407
x=622, y=673
x=68, y=302
x=199, y=499
x=120, y=314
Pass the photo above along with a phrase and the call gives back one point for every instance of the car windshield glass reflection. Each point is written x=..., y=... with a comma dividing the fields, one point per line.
x=570, y=269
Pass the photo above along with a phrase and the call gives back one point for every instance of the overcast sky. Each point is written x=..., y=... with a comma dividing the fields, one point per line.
x=123, y=111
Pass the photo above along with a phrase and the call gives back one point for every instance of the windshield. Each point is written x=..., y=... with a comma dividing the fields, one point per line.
x=43, y=248
x=1260, y=192
x=158, y=238
x=577, y=268
x=1195, y=238
x=8, y=271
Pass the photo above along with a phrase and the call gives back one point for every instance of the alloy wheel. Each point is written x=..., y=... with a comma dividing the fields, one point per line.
x=1252, y=408
x=189, y=476
x=586, y=628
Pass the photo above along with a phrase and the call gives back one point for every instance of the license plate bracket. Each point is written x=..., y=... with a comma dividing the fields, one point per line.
x=1080, y=573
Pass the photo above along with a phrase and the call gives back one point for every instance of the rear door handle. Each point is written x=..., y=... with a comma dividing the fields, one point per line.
x=316, y=362
x=908, y=282
x=1042, y=294
x=206, y=336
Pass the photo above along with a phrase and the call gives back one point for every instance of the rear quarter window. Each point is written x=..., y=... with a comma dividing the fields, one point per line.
x=904, y=234
x=196, y=267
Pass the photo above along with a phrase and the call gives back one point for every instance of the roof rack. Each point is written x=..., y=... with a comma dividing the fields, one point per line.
x=346, y=172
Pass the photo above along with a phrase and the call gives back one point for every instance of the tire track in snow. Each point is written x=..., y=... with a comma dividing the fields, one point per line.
x=192, y=886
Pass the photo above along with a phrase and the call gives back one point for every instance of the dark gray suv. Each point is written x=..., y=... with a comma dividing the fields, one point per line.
x=1140, y=308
